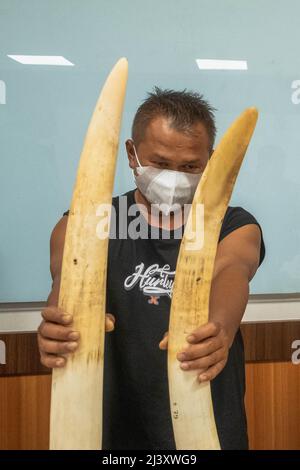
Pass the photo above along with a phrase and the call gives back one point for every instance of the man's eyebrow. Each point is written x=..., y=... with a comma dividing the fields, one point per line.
x=187, y=162
x=193, y=160
x=161, y=157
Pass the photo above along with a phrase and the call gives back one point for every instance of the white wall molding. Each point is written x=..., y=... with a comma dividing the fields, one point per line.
x=268, y=308
x=24, y=321
x=26, y=317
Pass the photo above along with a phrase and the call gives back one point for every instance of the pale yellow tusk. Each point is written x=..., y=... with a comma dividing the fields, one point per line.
x=191, y=404
x=76, y=402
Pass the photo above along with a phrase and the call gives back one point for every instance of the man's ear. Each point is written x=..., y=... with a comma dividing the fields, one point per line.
x=130, y=153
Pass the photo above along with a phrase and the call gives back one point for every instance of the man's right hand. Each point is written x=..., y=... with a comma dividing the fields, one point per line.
x=57, y=338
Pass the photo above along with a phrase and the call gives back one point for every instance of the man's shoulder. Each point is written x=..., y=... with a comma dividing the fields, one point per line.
x=237, y=211
x=236, y=217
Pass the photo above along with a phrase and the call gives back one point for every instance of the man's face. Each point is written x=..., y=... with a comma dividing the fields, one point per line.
x=166, y=148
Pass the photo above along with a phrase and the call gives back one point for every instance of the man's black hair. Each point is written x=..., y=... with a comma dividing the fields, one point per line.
x=183, y=108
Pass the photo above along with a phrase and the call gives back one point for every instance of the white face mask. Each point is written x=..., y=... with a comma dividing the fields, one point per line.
x=168, y=189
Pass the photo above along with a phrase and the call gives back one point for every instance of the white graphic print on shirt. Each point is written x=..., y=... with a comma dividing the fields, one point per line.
x=154, y=281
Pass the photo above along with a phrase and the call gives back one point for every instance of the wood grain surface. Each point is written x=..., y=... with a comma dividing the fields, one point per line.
x=272, y=398
x=263, y=342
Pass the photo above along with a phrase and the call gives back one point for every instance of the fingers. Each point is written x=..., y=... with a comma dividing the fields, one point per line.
x=50, y=346
x=204, y=332
x=57, y=332
x=205, y=348
x=52, y=351
x=212, y=372
x=207, y=351
x=52, y=361
x=205, y=362
x=56, y=337
x=56, y=315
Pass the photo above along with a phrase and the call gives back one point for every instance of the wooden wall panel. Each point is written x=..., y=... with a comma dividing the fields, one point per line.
x=272, y=402
x=273, y=405
x=272, y=399
x=22, y=355
x=24, y=412
x=263, y=342
x=270, y=341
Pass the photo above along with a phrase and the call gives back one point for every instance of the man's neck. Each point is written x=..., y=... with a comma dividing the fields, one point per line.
x=156, y=219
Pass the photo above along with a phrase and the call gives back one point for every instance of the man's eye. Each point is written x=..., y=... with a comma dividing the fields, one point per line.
x=189, y=167
x=162, y=164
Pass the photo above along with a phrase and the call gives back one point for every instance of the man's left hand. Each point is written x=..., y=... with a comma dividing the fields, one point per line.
x=207, y=351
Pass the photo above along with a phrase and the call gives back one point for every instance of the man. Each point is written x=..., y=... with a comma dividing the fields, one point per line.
x=172, y=140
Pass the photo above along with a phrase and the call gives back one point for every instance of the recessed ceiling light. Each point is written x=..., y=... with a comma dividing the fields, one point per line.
x=40, y=59
x=216, y=64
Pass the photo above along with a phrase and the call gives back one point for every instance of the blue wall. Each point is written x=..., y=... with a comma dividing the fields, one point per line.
x=45, y=112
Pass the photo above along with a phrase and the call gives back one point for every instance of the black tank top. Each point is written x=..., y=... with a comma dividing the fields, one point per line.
x=136, y=412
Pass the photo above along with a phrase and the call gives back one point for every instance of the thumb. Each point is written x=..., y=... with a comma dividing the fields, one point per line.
x=164, y=342
x=109, y=322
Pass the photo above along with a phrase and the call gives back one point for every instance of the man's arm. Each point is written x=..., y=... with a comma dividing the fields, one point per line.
x=237, y=260
x=236, y=263
x=57, y=241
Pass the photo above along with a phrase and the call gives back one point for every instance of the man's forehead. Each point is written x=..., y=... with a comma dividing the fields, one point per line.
x=160, y=132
